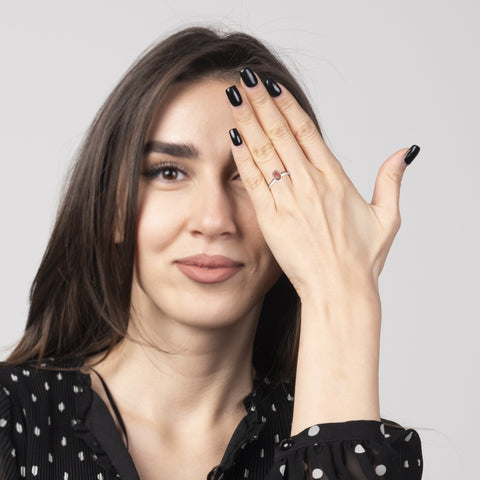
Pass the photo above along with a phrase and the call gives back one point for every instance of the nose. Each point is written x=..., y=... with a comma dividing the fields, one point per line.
x=212, y=211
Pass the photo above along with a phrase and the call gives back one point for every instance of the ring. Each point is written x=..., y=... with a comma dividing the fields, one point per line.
x=277, y=177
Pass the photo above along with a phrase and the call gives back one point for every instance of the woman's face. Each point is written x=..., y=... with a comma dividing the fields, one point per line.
x=192, y=202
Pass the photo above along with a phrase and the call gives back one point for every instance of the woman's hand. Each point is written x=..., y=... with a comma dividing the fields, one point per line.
x=318, y=227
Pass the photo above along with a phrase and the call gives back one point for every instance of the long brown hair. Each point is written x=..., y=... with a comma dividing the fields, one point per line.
x=80, y=297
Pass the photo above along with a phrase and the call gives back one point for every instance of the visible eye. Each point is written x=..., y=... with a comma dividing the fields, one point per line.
x=165, y=171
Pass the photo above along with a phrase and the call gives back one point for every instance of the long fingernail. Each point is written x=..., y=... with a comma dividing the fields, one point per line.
x=248, y=77
x=235, y=137
x=234, y=96
x=413, y=151
x=272, y=87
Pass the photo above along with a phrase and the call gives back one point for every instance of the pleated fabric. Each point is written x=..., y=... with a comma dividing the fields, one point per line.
x=54, y=426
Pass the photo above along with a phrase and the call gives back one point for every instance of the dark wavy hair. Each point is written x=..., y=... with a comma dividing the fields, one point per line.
x=80, y=297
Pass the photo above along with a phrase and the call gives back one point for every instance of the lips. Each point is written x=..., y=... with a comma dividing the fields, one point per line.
x=211, y=261
x=209, y=269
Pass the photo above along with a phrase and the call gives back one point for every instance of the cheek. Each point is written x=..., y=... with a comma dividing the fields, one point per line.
x=156, y=225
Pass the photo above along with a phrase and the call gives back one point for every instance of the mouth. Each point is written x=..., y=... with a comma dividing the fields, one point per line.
x=208, y=274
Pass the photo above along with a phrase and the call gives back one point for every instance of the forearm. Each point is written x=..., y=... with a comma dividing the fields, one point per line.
x=337, y=369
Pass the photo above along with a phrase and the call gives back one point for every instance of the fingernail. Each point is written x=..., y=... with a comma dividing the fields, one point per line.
x=272, y=87
x=248, y=77
x=234, y=96
x=413, y=151
x=235, y=137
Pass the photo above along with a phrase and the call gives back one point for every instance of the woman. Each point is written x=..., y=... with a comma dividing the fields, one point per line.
x=204, y=223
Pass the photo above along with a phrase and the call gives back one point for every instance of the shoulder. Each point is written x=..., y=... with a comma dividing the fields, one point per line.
x=27, y=383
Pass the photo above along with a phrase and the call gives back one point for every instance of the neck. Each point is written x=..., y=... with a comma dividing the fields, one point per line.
x=191, y=375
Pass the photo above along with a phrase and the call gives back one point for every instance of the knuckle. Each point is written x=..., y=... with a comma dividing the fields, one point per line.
x=288, y=104
x=253, y=182
x=279, y=132
x=260, y=100
x=395, y=177
x=244, y=116
x=397, y=221
x=263, y=152
x=306, y=130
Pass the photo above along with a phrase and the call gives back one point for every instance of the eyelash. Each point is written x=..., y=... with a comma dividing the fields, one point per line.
x=155, y=170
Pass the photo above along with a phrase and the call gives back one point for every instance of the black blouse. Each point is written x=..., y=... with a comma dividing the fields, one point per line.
x=54, y=426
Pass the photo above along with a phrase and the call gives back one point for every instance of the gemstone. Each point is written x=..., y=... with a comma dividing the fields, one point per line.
x=277, y=175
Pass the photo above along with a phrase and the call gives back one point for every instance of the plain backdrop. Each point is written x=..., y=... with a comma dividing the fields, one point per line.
x=382, y=75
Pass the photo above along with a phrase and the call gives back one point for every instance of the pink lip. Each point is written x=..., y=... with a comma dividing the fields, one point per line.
x=209, y=269
x=210, y=275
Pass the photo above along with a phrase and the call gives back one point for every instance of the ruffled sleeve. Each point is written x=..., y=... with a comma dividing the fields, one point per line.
x=8, y=465
x=354, y=450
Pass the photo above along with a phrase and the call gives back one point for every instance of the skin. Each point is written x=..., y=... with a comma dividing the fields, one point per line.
x=313, y=225
x=340, y=246
x=198, y=391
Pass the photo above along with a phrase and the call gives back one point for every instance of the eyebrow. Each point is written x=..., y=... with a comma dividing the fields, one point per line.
x=184, y=150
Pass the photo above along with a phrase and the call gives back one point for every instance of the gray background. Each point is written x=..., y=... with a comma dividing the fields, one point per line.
x=382, y=75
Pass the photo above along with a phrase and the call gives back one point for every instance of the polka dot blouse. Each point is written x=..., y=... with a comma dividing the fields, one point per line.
x=53, y=426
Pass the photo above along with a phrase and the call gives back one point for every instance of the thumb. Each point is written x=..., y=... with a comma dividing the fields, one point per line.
x=387, y=185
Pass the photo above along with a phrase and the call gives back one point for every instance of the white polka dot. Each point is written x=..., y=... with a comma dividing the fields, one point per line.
x=317, y=473
x=245, y=473
x=100, y=476
x=50, y=458
x=262, y=453
x=405, y=464
x=3, y=422
x=14, y=378
x=34, y=397
x=23, y=473
x=75, y=389
x=359, y=449
x=13, y=453
x=312, y=431
x=34, y=470
x=63, y=442
x=380, y=470
x=65, y=476
x=59, y=377
x=36, y=431
x=409, y=437
x=382, y=429
x=81, y=456
x=274, y=408
x=61, y=406
x=282, y=470
x=418, y=462
x=49, y=420
x=263, y=419
x=387, y=435
x=7, y=392
x=276, y=438
x=19, y=427
x=26, y=372
x=289, y=398
x=24, y=412
x=47, y=386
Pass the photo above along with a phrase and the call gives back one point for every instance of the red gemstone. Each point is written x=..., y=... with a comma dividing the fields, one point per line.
x=276, y=175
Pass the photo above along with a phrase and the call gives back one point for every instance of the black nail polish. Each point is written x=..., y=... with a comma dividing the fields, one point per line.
x=411, y=154
x=234, y=96
x=272, y=87
x=235, y=137
x=248, y=77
